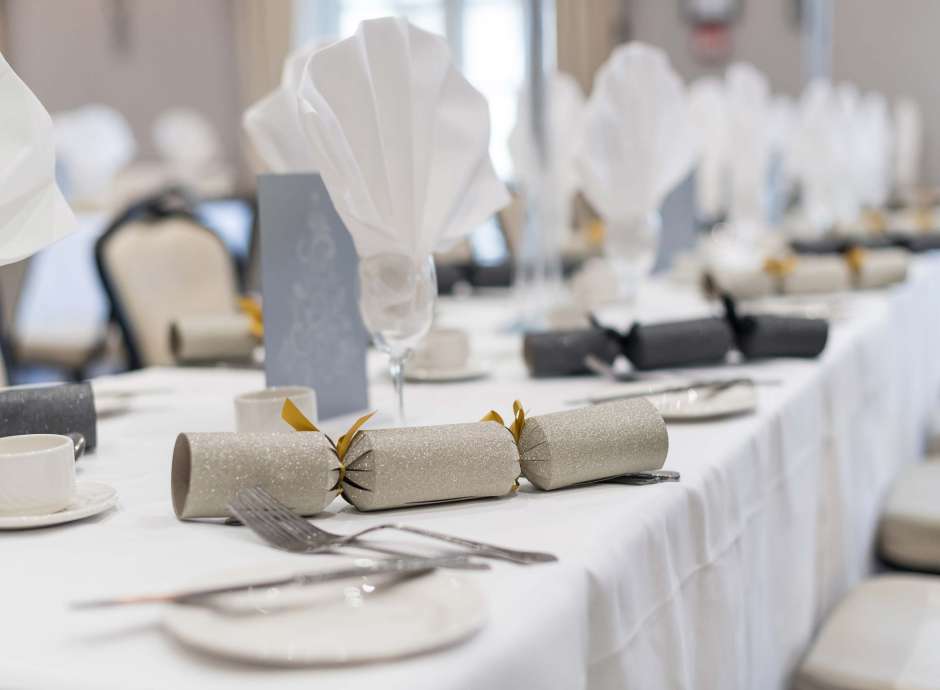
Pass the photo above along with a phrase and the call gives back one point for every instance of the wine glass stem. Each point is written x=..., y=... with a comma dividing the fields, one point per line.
x=396, y=367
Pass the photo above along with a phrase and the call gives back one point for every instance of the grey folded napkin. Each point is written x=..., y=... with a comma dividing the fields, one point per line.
x=59, y=409
x=394, y=468
x=678, y=343
x=211, y=338
x=301, y=470
x=591, y=443
x=562, y=353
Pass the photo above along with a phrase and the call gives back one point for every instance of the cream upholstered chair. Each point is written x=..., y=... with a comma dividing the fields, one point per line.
x=159, y=269
x=910, y=522
x=885, y=635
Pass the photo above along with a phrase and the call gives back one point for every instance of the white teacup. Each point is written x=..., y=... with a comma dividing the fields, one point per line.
x=443, y=349
x=260, y=411
x=37, y=474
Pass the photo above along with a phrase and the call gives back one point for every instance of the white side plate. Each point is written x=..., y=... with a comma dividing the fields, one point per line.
x=332, y=623
x=90, y=499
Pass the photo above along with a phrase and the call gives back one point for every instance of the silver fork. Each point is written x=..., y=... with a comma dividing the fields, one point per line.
x=262, y=505
x=292, y=536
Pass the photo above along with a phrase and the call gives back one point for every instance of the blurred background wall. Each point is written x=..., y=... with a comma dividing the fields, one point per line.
x=217, y=56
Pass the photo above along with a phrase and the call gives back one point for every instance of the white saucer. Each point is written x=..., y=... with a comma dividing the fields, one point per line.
x=699, y=405
x=469, y=372
x=333, y=623
x=90, y=499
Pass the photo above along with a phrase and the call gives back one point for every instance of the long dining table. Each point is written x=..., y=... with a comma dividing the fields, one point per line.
x=717, y=581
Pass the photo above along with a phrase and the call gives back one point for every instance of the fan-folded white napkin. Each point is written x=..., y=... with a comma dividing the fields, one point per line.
x=908, y=143
x=565, y=115
x=33, y=213
x=638, y=140
x=748, y=95
x=93, y=144
x=874, y=135
x=273, y=123
x=814, y=157
x=709, y=115
x=400, y=138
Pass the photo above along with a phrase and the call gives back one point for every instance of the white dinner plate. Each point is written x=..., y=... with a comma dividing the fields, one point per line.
x=90, y=499
x=470, y=372
x=700, y=405
x=331, y=624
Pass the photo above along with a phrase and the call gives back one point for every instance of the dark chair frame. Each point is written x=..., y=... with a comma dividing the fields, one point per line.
x=171, y=203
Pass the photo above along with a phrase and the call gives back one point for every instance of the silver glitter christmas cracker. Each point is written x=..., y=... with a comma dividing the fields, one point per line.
x=393, y=468
x=225, y=337
x=882, y=267
x=61, y=409
x=300, y=470
x=591, y=443
x=817, y=274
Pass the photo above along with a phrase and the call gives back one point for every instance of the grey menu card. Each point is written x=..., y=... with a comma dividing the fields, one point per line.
x=313, y=334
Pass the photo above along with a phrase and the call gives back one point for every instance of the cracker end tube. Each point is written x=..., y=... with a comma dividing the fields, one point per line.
x=593, y=443
x=301, y=470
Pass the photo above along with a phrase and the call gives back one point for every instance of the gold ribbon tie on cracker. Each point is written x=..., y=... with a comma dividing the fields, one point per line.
x=515, y=428
x=252, y=309
x=291, y=414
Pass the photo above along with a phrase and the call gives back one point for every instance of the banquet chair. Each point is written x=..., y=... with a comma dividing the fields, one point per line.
x=158, y=263
x=885, y=635
x=20, y=354
x=909, y=534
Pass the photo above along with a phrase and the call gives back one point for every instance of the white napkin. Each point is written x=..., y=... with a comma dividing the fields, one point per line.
x=748, y=94
x=709, y=115
x=93, y=144
x=565, y=110
x=33, y=213
x=401, y=139
x=638, y=140
x=908, y=145
x=850, y=144
x=814, y=157
x=273, y=124
x=186, y=139
x=874, y=154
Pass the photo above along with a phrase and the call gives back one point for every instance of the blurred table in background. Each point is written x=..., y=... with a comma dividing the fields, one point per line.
x=716, y=582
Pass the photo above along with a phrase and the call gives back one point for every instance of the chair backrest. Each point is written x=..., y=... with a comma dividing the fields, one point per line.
x=158, y=269
x=12, y=279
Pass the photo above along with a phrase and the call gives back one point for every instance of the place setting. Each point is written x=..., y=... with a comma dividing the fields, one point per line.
x=470, y=344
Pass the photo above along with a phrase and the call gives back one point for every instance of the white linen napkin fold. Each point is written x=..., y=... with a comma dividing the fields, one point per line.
x=748, y=93
x=708, y=111
x=93, y=144
x=908, y=145
x=400, y=138
x=273, y=123
x=638, y=141
x=565, y=110
x=33, y=212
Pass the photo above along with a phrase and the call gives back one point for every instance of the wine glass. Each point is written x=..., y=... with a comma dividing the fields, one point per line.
x=396, y=300
x=630, y=246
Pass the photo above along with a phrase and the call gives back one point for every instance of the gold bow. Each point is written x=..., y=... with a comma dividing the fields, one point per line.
x=252, y=309
x=855, y=257
x=779, y=268
x=291, y=414
x=515, y=428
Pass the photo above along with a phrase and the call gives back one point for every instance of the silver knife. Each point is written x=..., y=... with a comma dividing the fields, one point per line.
x=364, y=568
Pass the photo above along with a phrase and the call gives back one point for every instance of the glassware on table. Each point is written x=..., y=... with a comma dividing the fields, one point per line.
x=630, y=247
x=396, y=300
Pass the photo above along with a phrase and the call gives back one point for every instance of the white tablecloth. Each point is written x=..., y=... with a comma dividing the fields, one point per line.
x=716, y=582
